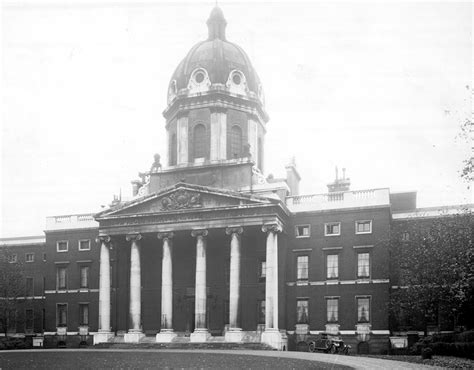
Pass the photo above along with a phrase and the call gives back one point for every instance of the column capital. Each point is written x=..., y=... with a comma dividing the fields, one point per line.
x=133, y=237
x=197, y=233
x=274, y=227
x=234, y=230
x=103, y=239
x=165, y=235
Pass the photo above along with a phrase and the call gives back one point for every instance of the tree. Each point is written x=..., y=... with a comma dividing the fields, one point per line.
x=12, y=284
x=433, y=261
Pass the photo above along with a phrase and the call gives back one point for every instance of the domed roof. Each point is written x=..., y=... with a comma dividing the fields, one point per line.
x=217, y=56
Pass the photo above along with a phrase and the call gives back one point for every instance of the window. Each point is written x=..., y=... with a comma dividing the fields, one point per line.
x=261, y=311
x=332, y=265
x=173, y=150
x=363, y=227
x=61, y=278
x=29, y=320
x=61, y=314
x=83, y=313
x=332, y=228
x=406, y=236
x=302, y=231
x=29, y=288
x=235, y=142
x=332, y=305
x=84, y=277
x=199, y=141
x=263, y=269
x=62, y=246
x=363, y=309
x=85, y=245
x=29, y=257
x=12, y=258
x=302, y=311
x=363, y=265
x=302, y=267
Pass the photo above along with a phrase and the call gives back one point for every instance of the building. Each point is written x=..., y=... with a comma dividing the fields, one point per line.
x=209, y=246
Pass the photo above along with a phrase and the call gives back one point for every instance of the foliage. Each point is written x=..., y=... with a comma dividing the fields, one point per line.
x=12, y=282
x=467, y=171
x=434, y=268
x=426, y=353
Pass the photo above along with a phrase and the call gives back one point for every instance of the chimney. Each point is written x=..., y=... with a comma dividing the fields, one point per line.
x=342, y=184
x=293, y=177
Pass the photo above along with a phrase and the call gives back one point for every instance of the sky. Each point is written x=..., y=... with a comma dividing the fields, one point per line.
x=379, y=88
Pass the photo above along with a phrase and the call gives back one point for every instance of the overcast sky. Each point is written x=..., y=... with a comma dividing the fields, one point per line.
x=378, y=88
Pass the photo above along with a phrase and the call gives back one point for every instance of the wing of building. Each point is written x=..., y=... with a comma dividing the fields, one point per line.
x=209, y=246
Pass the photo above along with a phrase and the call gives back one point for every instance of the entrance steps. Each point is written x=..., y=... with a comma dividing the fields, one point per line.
x=182, y=342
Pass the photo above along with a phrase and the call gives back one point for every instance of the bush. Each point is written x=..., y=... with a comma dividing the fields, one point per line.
x=444, y=337
x=466, y=336
x=458, y=349
x=426, y=353
x=13, y=343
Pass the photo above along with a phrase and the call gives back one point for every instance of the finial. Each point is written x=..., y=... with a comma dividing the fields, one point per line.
x=216, y=24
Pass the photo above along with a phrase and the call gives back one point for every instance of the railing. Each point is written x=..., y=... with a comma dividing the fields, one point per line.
x=66, y=222
x=361, y=198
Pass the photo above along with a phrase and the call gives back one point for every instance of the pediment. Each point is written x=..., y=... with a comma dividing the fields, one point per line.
x=180, y=198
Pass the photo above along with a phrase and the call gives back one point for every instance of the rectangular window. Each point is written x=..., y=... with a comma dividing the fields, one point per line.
x=29, y=257
x=84, y=277
x=263, y=269
x=302, y=268
x=261, y=311
x=61, y=278
x=363, y=265
x=332, y=265
x=302, y=231
x=363, y=309
x=332, y=305
x=61, y=314
x=83, y=314
x=29, y=320
x=84, y=245
x=363, y=227
x=302, y=312
x=62, y=246
x=29, y=288
x=332, y=228
x=12, y=258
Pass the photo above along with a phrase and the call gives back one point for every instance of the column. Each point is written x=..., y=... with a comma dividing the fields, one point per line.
x=135, y=331
x=104, y=334
x=271, y=335
x=235, y=333
x=200, y=334
x=166, y=333
x=218, y=134
x=182, y=139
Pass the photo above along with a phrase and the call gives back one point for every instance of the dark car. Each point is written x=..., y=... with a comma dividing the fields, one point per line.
x=328, y=343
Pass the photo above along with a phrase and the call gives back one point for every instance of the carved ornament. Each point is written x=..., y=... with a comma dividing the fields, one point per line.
x=133, y=237
x=273, y=227
x=166, y=235
x=234, y=230
x=181, y=199
x=103, y=239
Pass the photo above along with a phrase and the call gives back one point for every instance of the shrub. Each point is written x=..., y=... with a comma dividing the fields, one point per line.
x=466, y=336
x=426, y=353
x=444, y=337
x=458, y=349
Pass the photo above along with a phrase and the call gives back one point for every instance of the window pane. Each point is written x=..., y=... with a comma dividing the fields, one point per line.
x=332, y=310
x=29, y=291
x=363, y=309
x=62, y=314
x=61, y=278
x=84, y=245
x=84, y=276
x=84, y=314
x=332, y=266
x=29, y=320
x=302, y=267
x=302, y=311
x=363, y=265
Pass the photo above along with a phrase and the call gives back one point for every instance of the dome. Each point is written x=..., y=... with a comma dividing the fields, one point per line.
x=218, y=59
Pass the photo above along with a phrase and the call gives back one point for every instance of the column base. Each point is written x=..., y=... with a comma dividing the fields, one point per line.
x=103, y=337
x=165, y=336
x=199, y=335
x=274, y=339
x=133, y=337
x=234, y=335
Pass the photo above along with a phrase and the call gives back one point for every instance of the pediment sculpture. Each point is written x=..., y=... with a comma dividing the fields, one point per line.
x=181, y=199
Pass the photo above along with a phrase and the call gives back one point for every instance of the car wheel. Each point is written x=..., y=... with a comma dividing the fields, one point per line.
x=333, y=349
x=312, y=347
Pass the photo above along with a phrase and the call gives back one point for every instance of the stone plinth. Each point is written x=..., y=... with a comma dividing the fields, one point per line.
x=133, y=337
x=103, y=337
x=165, y=336
x=274, y=339
x=234, y=335
x=199, y=335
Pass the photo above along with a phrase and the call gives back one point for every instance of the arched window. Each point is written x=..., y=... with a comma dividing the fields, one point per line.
x=173, y=150
x=199, y=141
x=236, y=142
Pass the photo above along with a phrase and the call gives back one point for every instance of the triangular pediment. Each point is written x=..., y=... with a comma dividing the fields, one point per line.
x=184, y=197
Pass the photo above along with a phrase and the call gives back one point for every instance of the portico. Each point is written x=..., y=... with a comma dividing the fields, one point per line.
x=193, y=266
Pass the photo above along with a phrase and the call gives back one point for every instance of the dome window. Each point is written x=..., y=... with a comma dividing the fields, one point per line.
x=237, y=83
x=199, y=81
x=199, y=77
x=236, y=79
